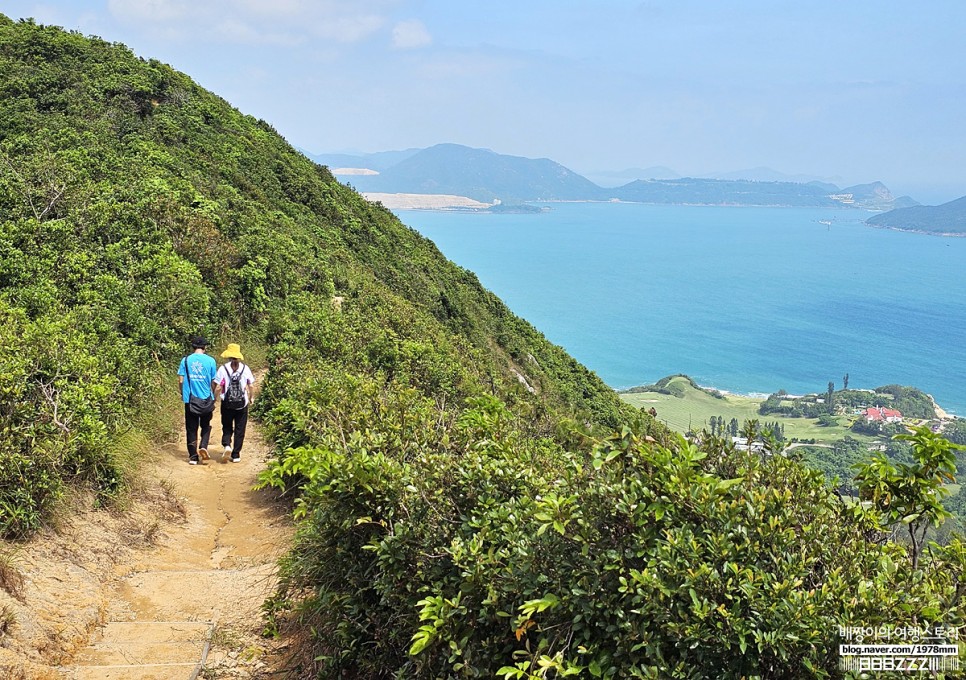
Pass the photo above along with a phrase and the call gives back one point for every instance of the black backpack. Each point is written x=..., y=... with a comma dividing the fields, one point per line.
x=235, y=394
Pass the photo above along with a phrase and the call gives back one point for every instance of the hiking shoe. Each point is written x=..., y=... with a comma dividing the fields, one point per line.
x=236, y=459
x=204, y=454
x=192, y=460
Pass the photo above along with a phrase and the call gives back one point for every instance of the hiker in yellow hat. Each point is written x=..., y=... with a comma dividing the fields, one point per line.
x=233, y=386
x=233, y=351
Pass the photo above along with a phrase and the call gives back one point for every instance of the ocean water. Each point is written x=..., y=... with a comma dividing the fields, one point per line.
x=748, y=300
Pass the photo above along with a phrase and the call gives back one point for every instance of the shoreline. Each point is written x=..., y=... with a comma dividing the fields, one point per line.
x=944, y=234
x=441, y=202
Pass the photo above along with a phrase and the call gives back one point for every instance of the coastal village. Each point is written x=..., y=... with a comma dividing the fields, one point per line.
x=865, y=419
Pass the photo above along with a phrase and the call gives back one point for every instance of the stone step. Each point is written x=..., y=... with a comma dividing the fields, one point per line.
x=156, y=672
x=144, y=650
x=154, y=631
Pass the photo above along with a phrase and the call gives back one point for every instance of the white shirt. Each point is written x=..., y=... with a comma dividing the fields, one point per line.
x=223, y=378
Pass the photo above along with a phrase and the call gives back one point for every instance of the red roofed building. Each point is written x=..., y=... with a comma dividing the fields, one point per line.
x=883, y=415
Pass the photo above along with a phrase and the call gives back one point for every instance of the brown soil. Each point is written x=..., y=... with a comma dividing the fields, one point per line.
x=170, y=587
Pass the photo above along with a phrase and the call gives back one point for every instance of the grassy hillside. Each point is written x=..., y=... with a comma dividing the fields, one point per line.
x=471, y=501
x=688, y=407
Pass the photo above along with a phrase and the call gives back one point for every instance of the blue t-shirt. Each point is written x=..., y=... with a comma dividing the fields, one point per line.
x=203, y=369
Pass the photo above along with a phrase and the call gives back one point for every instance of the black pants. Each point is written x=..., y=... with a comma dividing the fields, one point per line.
x=233, y=424
x=191, y=423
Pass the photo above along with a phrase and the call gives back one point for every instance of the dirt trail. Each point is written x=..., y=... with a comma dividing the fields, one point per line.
x=190, y=607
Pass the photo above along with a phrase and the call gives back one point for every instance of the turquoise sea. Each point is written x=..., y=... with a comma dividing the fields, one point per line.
x=748, y=300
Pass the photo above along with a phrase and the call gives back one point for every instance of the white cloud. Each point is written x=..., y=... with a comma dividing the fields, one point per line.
x=150, y=11
x=257, y=22
x=275, y=7
x=410, y=34
x=234, y=31
x=349, y=28
x=469, y=65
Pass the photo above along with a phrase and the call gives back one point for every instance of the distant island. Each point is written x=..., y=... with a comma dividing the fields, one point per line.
x=501, y=182
x=948, y=219
x=697, y=191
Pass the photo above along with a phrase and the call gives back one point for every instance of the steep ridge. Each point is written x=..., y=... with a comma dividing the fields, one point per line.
x=137, y=209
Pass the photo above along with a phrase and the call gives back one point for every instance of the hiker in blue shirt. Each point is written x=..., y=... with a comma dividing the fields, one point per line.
x=196, y=376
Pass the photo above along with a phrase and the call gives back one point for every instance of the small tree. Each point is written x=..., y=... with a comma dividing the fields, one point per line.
x=911, y=494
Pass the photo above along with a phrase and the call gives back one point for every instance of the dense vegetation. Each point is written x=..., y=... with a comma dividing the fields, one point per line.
x=472, y=502
x=496, y=554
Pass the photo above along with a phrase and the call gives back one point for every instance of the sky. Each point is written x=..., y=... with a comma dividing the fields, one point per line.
x=849, y=92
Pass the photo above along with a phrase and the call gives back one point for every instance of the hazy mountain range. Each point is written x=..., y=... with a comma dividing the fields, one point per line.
x=490, y=177
x=615, y=178
x=612, y=178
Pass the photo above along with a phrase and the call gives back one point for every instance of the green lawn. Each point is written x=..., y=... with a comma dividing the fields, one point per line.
x=694, y=407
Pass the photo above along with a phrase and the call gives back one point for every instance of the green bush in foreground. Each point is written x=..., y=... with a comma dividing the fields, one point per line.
x=499, y=555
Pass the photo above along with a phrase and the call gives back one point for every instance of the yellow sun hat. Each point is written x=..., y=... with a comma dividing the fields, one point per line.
x=233, y=352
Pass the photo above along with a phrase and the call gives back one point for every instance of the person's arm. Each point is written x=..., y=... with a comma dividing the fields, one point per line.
x=216, y=384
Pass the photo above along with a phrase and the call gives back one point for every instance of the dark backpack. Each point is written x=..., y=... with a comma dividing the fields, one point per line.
x=235, y=394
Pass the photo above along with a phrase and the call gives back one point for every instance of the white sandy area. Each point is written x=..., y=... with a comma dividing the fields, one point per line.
x=425, y=201
x=941, y=414
x=353, y=171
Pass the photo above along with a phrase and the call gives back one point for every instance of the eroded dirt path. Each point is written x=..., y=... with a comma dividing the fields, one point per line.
x=190, y=607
